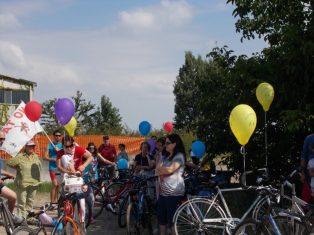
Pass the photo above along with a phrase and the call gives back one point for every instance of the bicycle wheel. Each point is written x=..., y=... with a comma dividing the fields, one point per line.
x=80, y=219
x=248, y=227
x=113, y=190
x=7, y=220
x=261, y=209
x=189, y=217
x=25, y=230
x=131, y=220
x=288, y=226
x=69, y=228
x=122, y=212
x=99, y=202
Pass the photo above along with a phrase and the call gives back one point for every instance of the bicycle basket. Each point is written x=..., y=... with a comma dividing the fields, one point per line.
x=73, y=184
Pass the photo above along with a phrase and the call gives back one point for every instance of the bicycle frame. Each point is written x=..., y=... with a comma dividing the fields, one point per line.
x=230, y=221
x=7, y=217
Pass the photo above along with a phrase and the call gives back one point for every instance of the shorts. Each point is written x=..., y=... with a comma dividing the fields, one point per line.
x=166, y=208
x=1, y=186
x=52, y=174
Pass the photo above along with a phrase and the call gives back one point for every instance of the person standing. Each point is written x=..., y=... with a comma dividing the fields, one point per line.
x=28, y=167
x=172, y=186
x=51, y=156
x=109, y=153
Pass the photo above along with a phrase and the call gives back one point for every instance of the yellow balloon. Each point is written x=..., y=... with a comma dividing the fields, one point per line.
x=71, y=126
x=242, y=122
x=265, y=95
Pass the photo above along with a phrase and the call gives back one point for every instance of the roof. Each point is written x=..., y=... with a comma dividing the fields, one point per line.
x=18, y=81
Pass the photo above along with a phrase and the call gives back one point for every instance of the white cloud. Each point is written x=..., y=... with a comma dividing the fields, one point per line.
x=167, y=14
x=8, y=21
x=11, y=56
x=137, y=19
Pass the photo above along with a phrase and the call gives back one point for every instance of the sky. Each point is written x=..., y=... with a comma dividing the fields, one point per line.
x=129, y=50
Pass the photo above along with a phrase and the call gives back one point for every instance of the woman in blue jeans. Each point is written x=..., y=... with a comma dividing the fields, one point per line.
x=171, y=181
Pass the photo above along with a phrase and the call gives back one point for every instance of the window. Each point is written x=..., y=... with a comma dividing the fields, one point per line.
x=14, y=96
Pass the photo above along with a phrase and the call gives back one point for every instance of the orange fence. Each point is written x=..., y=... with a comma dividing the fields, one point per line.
x=132, y=144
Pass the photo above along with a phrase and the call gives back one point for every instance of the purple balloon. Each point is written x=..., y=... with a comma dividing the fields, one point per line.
x=152, y=145
x=64, y=110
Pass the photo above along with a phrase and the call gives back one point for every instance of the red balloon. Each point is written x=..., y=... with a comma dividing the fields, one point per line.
x=33, y=110
x=168, y=127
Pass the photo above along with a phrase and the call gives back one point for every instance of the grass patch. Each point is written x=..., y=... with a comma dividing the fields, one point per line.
x=44, y=187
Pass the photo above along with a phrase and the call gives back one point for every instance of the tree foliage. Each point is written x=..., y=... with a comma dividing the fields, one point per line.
x=209, y=88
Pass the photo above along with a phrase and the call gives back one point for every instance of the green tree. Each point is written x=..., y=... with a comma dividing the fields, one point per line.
x=107, y=118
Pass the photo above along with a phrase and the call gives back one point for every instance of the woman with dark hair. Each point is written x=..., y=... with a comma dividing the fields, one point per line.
x=171, y=181
x=93, y=166
x=144, y=162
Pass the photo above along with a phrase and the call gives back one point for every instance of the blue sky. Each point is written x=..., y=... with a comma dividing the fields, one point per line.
x=129, y=50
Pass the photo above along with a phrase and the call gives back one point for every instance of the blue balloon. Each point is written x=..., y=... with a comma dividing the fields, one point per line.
x=198, y=148
x=122, y=164
x=144, y=128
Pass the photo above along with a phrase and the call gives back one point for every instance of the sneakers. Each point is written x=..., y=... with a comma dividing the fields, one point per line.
x=32, y=221
x=92, y=220
x=17, y=219
x=110, y=208
x=52, y=207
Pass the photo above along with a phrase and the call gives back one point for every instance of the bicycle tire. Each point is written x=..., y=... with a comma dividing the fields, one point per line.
x=99, y=202
x=248, y=227
x=261, y=209
x=25, y=230
x=131, y=220
x=122, y=212
x=287, y=225
x=113, y=190
x=7, y=219
x=67, y=228
x=188, y=218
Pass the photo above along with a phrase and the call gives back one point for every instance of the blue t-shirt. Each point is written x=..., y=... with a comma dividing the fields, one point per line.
x=308, y=151
x=53, y=154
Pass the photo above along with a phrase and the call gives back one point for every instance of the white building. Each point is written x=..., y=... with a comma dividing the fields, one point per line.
x=12, y=92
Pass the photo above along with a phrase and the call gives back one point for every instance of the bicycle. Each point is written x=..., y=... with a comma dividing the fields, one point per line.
x=203, y=215
x=6, y=216
x=70, y=217
x=140, y=210
x=269, y=224
x=74, y=191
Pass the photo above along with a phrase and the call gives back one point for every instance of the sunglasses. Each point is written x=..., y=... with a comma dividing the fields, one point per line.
x=92, y=147
x=2, y=138
x=167, y=143
x=68, y=146
x=57, y=135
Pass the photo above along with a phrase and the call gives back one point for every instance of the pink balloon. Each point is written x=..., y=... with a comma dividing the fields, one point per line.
x=33, y=110
x=168, y=127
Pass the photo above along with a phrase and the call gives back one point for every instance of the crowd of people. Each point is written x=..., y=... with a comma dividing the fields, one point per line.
x=166, y=158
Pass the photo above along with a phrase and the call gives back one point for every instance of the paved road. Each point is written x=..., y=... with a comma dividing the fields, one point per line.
x=106, y=223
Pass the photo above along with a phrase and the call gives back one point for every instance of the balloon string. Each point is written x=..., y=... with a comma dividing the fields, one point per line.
x=242, y=151
x=266, y=147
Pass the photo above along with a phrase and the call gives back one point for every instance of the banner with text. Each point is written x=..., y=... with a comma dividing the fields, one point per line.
x=18, y=130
